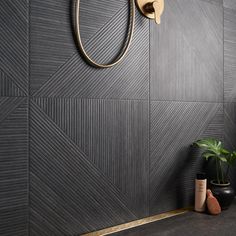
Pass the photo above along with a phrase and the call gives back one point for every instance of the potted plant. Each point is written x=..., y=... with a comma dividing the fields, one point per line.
x=224, y=159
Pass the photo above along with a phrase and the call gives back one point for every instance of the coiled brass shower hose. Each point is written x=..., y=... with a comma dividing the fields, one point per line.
x=126, y=46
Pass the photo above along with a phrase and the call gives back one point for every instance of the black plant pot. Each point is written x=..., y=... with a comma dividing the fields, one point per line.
x=224, y=194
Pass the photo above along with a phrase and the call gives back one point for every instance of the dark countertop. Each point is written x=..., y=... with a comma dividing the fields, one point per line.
x=191, y=223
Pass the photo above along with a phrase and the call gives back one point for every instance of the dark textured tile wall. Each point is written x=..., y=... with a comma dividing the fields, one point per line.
x=98, y=118
x=230, y=76
x=108, y=146
x=187, y=94
x=63, y=73
x=13, y=166
x=14, y=182
x=174, y=126
x=14, y=47
x=186, y=55
x=79, y=157
x=230, y=4
x=230, y=55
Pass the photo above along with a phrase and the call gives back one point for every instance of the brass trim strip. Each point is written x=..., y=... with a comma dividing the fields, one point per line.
x=140, y=222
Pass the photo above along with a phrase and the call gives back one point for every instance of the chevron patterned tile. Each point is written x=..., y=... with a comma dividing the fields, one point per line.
x=69, y=187
x=190, y=68
x=230, y=55
x=14, y=46
x=174, y=126
x=13, y=167
x=77, y=79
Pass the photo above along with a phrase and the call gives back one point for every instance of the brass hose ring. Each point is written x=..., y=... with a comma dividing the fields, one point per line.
x=125, y=49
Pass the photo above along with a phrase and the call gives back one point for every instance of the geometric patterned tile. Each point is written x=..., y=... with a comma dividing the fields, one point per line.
x=13, y=166
x=229, y=79
x=229, y=55
x=8, y=88
x=110, y=134
x=52, y=18
x=89, y=144
x=8, y=105
x=230, y=124
x=231, y=4
x=220, y=2
x=70, y=76
x=14, y=44
x=69, y=186
x=174, y=127
x=187, y=60
x=230, y=134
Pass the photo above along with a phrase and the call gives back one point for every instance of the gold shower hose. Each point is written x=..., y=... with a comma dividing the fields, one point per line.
x=123, y=51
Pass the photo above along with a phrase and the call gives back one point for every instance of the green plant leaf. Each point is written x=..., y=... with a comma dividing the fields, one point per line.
x=223, y=159
x=232, y=158
x=224, y=151
x=214, y=149
x=208, y=155
x=210, y=144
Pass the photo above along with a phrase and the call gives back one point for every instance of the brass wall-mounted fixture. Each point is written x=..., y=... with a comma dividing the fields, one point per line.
x=151, y=9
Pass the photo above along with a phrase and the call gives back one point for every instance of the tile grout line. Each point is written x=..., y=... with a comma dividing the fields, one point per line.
x=127, y=99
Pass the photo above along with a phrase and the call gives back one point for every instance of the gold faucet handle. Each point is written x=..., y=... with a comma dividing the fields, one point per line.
x=158, y=7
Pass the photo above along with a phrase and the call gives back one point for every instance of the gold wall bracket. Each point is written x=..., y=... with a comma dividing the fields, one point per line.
x=152, y=9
